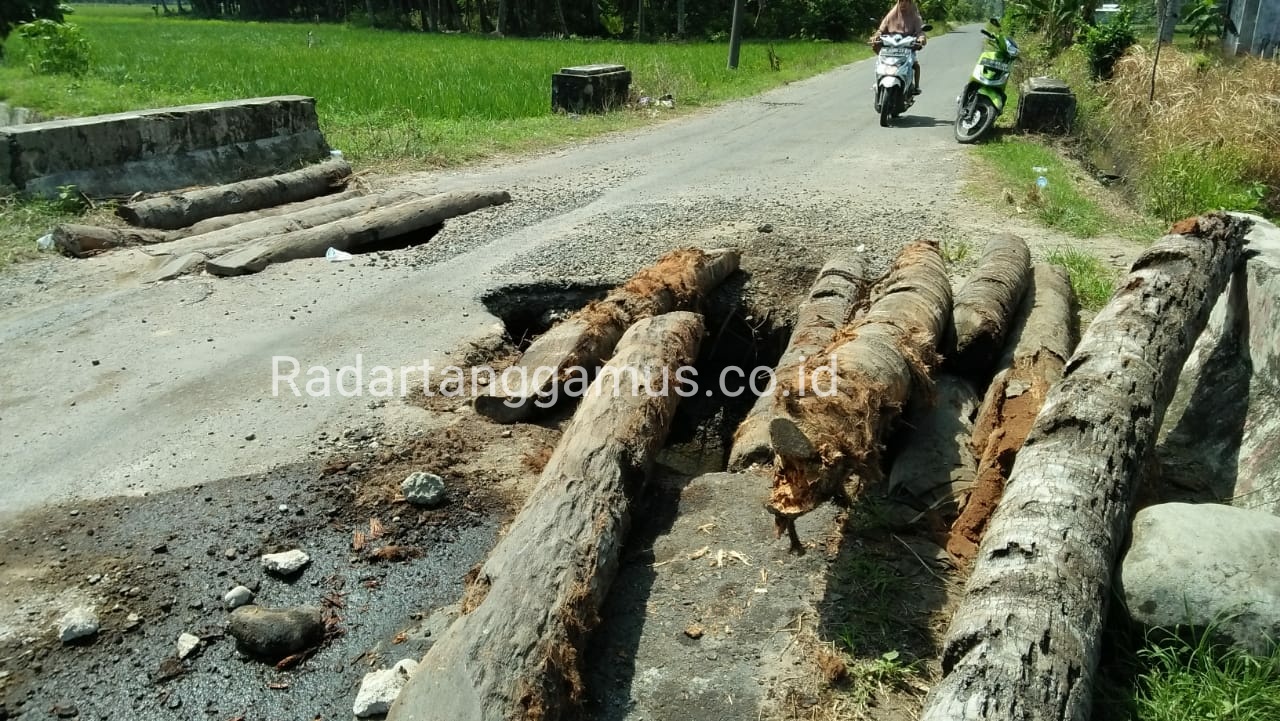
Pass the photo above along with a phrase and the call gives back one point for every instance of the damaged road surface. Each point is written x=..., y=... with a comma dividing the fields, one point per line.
x=161, y=437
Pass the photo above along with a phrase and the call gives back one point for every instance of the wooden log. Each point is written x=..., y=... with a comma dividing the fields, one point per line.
x=1041, y=340
x=517, y=649
x=934, y=466
x=351, y=233
x=835, y=295
x=1025, y=641
x=221, y=240
x=178, y=210
x=985, y=306
x=572, y=349
x=208, y=225
x=832, y=431
x=81, y=241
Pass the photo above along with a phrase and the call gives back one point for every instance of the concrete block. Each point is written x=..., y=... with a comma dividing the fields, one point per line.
x=166, y=148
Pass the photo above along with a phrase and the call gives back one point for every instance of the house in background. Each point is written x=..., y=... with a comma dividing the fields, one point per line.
x=1257, y=28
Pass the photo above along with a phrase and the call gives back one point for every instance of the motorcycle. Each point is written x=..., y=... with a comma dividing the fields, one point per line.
x=984, y=96
x=895, y=73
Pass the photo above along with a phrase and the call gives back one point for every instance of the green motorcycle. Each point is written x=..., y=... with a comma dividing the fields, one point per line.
x=984, y=96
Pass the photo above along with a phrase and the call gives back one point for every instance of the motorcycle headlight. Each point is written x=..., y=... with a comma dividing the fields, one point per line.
x=1011, y=48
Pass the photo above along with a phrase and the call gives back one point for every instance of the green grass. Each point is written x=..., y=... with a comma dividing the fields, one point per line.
x=1061, y=205
x=1091, y=279
x=1189, y=683
x=21, y=223
x=391, y=96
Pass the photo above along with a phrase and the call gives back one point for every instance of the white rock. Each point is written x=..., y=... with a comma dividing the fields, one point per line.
x=237, y=597
x=423, y=489
x=77, y=623
x=186, y=644
x=1195, y=564
x=285, y=563
x=379, y=689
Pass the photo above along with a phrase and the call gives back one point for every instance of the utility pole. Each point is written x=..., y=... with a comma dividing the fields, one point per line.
x=735, y=34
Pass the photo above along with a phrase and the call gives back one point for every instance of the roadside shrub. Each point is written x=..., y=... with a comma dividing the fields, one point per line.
x=1186, y=182
x=1106, y=43
x=1205, y=19
x=1210, y=139
x=54, y=47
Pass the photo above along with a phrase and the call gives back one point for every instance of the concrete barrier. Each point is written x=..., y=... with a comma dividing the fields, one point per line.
x=162, y=149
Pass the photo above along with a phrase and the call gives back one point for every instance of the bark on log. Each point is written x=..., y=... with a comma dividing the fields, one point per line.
x=824, y=435
x=81, y=241
x=220, y=222
x=224, y=239
x=1025, y=640
x=838, y=291
x=1043, y=336
x=353, y=232
x=986, y=304
x=516, y=651
x=564, y=356
x=1221, y=437
x=178, y=210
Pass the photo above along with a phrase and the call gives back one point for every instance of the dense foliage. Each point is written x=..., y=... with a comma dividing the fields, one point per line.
x=16, y=12
x=800, y=19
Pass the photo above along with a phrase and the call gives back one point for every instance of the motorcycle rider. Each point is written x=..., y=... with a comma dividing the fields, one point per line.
x=904, y=17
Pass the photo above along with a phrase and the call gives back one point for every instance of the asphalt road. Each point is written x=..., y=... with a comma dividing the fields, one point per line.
x=111, y=387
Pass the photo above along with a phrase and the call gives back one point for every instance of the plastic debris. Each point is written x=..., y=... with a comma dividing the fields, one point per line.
x=336, y=255
x=45, y=242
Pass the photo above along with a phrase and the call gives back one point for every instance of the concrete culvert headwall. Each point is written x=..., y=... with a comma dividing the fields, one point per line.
x=162, y=149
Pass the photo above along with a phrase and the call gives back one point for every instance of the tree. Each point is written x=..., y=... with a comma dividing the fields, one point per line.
x=16, y=12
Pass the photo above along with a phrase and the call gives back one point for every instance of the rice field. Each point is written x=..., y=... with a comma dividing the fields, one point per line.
x=390, y=97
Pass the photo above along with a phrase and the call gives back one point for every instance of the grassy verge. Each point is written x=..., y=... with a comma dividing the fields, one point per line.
x=387, y=96
x=1091, y=279
x=1186, y=677
x=1210, y=138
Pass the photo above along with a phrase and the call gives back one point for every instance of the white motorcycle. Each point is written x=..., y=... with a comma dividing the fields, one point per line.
x=896, y=74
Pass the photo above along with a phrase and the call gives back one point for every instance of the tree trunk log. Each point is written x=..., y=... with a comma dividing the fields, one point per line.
x=178, y=210
x=222, y=240
x=1041, y=341
x=81, y=241
x=567, y=353
x=1025, y=640
x=222, y=222
x=516, y=651
x=837, y=292
x=825, y=435
x=934, y=464
x=353, y=232
x=986, y=304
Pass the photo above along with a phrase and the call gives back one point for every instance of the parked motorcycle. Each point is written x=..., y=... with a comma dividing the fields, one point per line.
x=895, y=73
x=984, y=97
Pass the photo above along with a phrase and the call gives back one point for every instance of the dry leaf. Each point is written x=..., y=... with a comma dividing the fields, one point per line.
x=694, y=631
x=699, y=553
x=357, y=540
x=289, y=661
x=277, y=686
x=718, y=561
x=375, y=528
x=400, y=637
x=739, y=557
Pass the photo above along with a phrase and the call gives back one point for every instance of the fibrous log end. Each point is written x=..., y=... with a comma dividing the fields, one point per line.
x=788, y=440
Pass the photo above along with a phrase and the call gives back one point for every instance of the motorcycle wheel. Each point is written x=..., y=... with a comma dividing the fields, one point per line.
x=974, y=120
x=887, y=106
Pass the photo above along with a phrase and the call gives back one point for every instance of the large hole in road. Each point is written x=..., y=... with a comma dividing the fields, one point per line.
x=741, y=338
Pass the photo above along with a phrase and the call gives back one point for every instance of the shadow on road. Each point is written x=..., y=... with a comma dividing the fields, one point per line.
x=921, y=121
